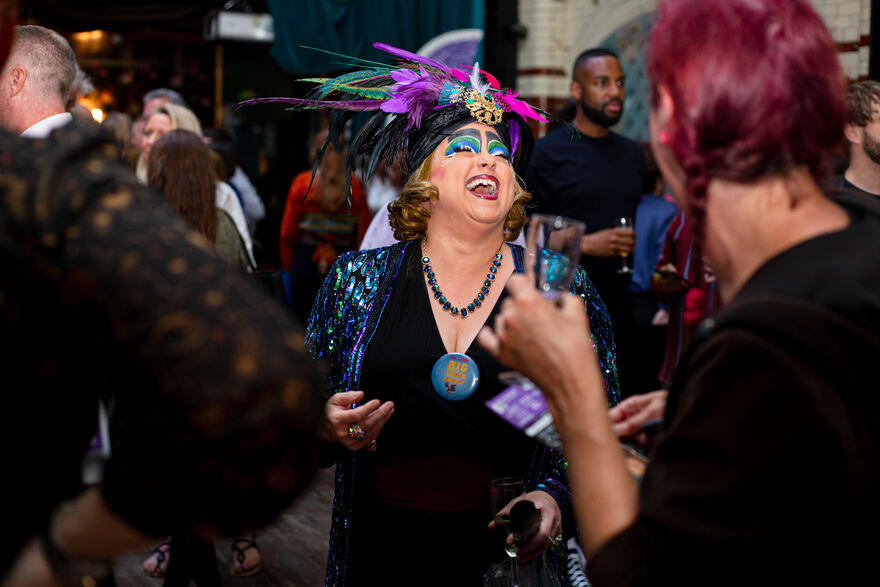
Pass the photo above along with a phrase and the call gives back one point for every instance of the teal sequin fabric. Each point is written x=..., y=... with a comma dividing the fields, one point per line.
x=345, y=316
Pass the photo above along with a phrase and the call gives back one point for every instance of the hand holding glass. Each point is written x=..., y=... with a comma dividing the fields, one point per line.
x=624, y=222
x=501, y=492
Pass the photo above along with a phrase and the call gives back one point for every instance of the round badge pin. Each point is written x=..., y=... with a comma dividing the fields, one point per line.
x=455, y=376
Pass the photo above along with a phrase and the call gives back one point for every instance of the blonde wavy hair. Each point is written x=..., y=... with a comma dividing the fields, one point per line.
x=409, y=214
x=182, y=118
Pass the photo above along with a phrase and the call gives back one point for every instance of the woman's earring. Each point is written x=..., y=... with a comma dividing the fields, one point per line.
x=663, y=137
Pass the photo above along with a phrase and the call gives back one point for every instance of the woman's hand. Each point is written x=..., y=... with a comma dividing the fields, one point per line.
x=668, y=282
x=550, y=528
x=629, y=416
x=358, y=427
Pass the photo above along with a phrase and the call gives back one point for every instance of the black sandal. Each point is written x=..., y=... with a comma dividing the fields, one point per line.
x=238, y=554
x=162, y=552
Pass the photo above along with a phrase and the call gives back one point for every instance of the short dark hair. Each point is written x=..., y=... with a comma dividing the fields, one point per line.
x=167, y=93
x=861, y=98
x=589, y=54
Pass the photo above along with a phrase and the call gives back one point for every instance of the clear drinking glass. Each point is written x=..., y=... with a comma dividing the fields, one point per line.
x=501, y=492
x=553, y=248
x=624, y=222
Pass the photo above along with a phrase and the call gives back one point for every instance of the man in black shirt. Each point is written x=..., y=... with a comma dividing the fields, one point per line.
x=862, y=131
x=594, y=175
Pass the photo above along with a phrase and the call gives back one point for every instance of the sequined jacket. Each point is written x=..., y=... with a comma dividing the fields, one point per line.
x=345, y=316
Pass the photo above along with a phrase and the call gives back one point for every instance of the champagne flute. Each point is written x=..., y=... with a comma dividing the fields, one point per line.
x=624, y=222
x=501, y=492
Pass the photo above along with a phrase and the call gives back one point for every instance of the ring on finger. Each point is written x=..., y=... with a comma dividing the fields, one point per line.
x=372, y=446
x=355, y=432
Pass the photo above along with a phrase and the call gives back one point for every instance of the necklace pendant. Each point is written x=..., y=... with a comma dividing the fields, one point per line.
x=464, y=312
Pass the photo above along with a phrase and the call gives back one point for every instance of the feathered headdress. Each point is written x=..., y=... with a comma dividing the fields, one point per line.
x=416, y=104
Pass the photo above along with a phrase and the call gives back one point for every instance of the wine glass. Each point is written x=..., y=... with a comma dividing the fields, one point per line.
x=501, y=492
x=553, y=248
x=624, y=222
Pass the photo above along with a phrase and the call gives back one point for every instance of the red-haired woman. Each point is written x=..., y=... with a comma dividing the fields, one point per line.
x=766, y=469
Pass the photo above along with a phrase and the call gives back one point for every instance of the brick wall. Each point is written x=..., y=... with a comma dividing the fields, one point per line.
x=850, y=24
x=560, y=29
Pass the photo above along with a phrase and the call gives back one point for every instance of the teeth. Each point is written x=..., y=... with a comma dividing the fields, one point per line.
x=482, y=181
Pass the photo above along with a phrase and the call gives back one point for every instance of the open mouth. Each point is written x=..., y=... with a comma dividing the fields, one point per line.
x=483, y=186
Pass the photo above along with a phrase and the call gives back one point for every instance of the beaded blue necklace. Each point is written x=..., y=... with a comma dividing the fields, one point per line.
x=481, y=295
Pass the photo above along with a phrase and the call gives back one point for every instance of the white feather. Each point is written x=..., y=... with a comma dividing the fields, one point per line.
x=477, y=81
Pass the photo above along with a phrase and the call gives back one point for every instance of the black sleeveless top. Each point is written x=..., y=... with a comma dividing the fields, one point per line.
x=434, y=453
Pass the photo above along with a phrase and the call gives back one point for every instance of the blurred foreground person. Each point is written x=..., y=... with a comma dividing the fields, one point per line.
x=766, y=470
x=101, y=281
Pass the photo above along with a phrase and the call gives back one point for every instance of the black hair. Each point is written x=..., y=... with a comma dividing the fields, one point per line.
x=589, y=54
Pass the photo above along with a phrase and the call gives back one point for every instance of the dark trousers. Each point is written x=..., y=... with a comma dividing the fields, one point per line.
x=647, y=344
x=192, y=559
x=305, y=281
x=399, y=546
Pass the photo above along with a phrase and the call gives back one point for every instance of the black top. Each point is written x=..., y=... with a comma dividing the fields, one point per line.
x=101, y=284
x=840, y=181
x=595, y=180
x=767, y=470
x=397, y=366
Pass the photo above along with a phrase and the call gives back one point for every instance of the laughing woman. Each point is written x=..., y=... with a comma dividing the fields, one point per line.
x=413, y=462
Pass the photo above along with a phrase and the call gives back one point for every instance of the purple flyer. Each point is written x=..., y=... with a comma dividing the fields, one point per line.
x=519, y=404
x=522, y=405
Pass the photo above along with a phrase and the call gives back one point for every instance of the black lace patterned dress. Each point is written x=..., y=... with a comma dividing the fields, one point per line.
x=100, y=282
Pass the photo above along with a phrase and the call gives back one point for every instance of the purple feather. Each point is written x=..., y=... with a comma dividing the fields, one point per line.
x=353, y=105
x=414, y=94
x=404, y=54
x=513, y=131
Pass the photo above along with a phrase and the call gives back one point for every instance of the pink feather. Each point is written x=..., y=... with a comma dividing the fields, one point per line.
x=493, y=81
x=520, y=107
